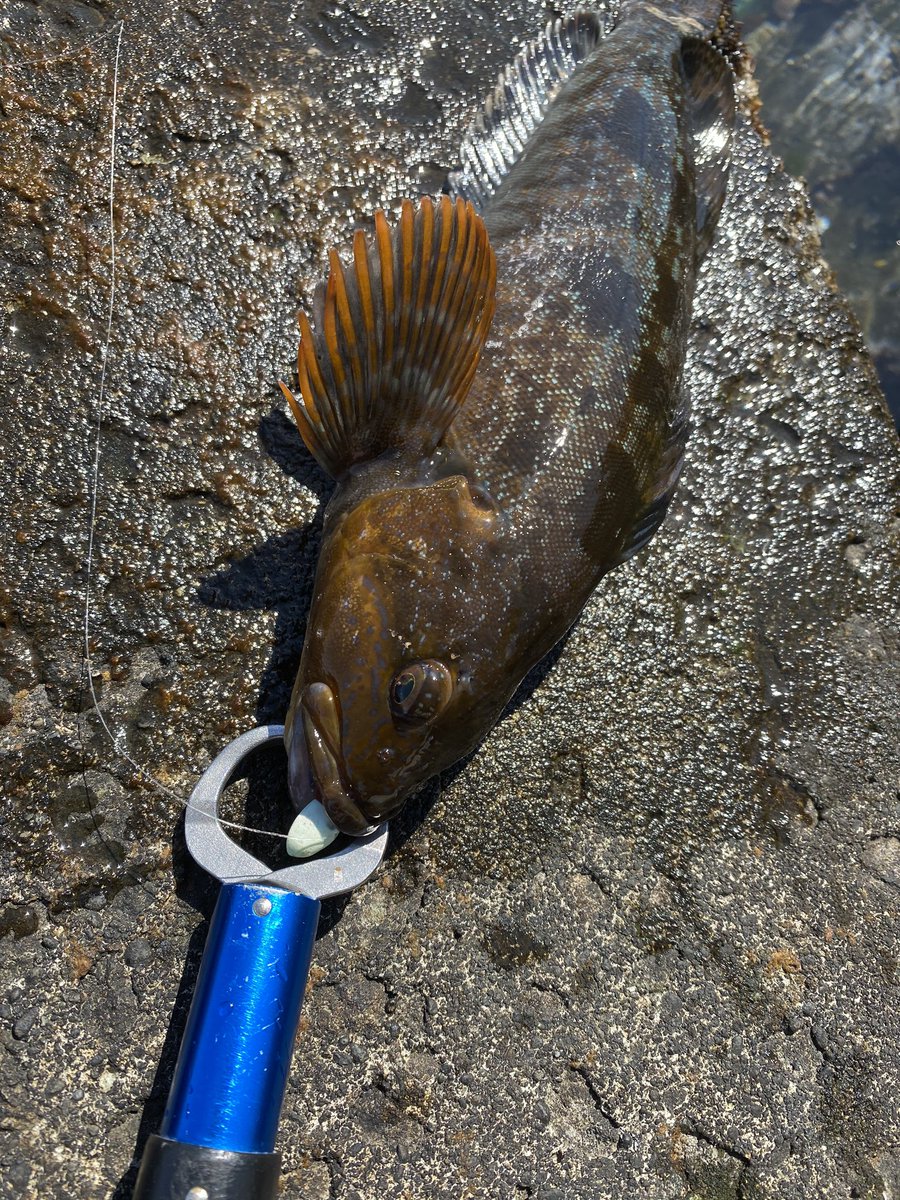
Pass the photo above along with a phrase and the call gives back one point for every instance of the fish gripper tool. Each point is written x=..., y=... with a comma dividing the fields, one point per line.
x=217, y=1138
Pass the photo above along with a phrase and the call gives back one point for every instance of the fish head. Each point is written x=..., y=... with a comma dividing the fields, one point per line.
x=392, y=685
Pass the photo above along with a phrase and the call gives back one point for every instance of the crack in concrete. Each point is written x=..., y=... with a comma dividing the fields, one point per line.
x=715, y=1143
x=599, y=1103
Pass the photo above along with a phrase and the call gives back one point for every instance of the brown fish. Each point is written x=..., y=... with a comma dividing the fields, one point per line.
x=490, y=471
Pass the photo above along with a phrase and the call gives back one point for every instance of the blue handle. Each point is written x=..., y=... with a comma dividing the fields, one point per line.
x=233, y=1065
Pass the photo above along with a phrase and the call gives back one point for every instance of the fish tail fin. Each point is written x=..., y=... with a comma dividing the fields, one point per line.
x=698, y=18
x=397, y=335
x=710, y=91
x=704, y=37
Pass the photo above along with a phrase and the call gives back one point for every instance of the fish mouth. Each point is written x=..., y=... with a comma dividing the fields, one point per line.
x=322, y=727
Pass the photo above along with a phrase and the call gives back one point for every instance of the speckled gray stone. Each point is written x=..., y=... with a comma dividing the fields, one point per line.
x=645, y=942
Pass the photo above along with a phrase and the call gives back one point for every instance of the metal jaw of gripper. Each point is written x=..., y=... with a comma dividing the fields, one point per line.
x=213, y=850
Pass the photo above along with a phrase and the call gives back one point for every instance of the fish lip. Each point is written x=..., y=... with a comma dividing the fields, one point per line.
x=322, y=727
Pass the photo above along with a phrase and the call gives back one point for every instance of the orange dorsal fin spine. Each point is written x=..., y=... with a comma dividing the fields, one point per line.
x=398, y=329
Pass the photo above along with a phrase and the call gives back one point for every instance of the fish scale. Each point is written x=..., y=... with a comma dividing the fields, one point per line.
x=594, y=264
x=491, y=471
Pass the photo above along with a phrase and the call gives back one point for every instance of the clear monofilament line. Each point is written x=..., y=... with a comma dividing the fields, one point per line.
x=87, y=660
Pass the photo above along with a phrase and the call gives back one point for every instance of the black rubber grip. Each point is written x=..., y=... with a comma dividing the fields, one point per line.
x=169, y=1170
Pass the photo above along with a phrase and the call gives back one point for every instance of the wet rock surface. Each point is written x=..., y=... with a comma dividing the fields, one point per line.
x=645, y=941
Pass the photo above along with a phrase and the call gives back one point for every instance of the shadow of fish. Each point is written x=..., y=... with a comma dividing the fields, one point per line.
x=496, y=385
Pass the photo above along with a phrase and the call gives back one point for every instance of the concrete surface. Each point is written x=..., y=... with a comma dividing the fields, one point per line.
x=643, y=944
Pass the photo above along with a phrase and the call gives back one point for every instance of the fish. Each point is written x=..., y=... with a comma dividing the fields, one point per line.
x=495, y=382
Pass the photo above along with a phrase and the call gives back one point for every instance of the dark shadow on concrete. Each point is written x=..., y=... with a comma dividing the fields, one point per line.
x=283, y=444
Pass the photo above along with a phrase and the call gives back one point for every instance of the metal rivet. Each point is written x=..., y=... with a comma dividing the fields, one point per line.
x=262, y=907
x=197, y=1193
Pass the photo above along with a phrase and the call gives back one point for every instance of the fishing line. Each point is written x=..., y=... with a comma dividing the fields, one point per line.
x=66, y=56
x=87, y=667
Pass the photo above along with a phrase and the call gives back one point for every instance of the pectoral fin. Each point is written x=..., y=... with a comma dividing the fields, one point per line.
x=397, y=335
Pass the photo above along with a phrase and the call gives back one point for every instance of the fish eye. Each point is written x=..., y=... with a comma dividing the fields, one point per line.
x=420, y=691
x=480, y=497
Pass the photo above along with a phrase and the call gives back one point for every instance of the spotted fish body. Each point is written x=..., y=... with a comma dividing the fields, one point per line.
x=474, y=517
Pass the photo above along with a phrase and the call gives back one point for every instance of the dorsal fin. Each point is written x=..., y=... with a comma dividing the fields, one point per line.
x=525, y=89
x=397, y=335
x=710, y=90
